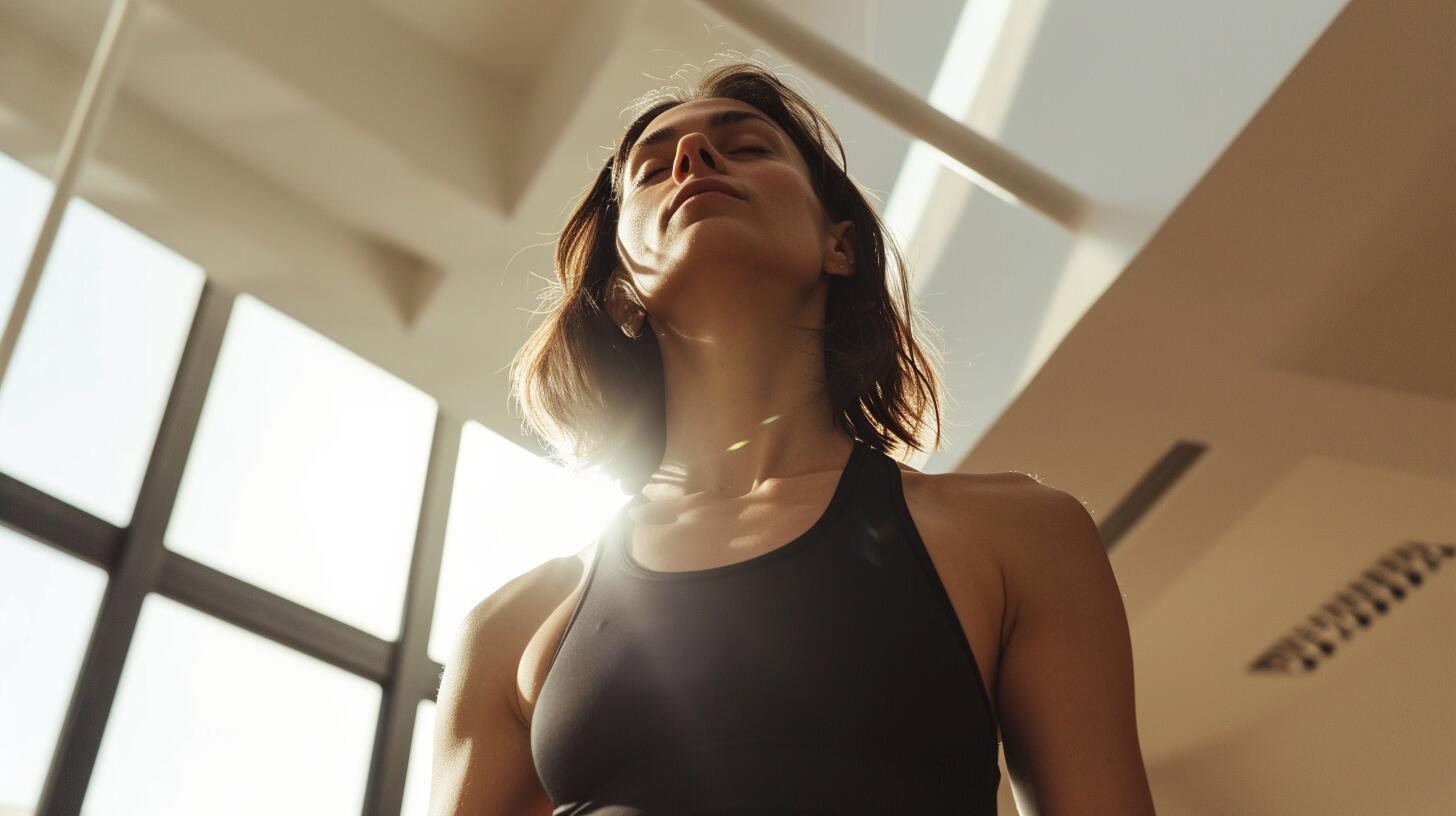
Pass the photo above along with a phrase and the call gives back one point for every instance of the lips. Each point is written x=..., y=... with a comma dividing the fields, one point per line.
x=700, y=185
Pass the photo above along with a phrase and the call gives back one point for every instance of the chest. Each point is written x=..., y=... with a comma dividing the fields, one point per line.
x=954, y=532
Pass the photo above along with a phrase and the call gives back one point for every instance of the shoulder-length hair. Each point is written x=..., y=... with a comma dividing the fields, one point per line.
x=597, y=398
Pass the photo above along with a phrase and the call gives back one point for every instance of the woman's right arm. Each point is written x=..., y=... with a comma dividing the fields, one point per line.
x=482, y=749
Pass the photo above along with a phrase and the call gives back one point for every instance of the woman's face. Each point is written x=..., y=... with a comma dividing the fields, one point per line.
x=768, y=235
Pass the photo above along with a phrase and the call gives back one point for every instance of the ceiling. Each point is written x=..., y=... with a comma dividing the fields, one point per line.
x=1269, y=270
x=1293, y=313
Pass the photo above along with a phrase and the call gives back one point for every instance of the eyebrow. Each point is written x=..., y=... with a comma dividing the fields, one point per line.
x=718, y=119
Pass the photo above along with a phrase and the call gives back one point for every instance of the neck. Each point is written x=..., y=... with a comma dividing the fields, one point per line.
x=746, y=407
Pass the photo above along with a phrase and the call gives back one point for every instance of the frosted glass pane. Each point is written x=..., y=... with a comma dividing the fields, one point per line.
x=48, y=603
x=417, y=777
x=510, y=510
x=24, y=196
x=212, y=719
x=80, y=406
x=307, y=471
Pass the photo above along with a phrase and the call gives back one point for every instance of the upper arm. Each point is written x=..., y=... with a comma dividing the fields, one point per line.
x=1066, y=675
x=482, y=749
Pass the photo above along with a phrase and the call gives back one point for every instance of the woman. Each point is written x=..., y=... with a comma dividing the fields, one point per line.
x=783, y=619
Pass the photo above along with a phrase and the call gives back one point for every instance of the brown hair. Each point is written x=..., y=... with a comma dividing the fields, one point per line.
x=597, y=397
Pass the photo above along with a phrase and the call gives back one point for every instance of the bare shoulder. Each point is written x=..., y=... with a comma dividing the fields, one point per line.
x=1051, y=544
x=492, y=636
x=968, y=501
x=1023, y=524
x=963, y=482
x=964, y=500
x=544, y=583
x=1067, y=706
x=481, y=746
x=1014, y=501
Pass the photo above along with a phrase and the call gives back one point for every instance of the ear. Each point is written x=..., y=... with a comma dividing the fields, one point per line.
x=838, y=250
x=622, y=303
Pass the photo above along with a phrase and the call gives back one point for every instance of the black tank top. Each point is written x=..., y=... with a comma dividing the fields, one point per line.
x=827, y=676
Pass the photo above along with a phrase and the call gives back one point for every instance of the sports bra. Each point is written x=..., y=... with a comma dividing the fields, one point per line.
x=827, y=676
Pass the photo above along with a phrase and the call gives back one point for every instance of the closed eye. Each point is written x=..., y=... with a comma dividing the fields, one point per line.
x=649, y=174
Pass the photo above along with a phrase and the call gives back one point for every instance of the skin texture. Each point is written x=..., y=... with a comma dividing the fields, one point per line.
x=726, y=285
x=1066, y=700
x=482, y=751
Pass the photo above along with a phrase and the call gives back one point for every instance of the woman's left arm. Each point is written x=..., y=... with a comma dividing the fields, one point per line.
x=1065, y=687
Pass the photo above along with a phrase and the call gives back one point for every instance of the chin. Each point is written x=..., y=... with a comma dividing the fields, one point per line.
x=724, y=239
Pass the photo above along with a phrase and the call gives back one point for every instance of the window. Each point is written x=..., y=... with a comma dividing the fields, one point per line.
x=307, y=472
x=48, y=603
x=417, y=778
x=212, y=719
x=510, y=511
x=81, y=403
x=24, y=196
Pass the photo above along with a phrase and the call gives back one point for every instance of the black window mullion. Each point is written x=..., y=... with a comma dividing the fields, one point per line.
x=47, y=519
x=272, y=616
x=413, y=674
x=138, y=565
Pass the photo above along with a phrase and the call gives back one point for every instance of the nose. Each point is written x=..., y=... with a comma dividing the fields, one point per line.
x=694, y=153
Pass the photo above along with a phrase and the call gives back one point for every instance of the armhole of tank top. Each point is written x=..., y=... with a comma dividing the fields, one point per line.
x=937, y=588
x=591, y=572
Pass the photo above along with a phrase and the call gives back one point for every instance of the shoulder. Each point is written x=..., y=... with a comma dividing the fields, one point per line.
x=965, y=499
x=1053, y=550
x=491, y=637
x=1037, y=513
x=969, y=515
x=518, y=596
x=1040, y=535
x=481, y=744
x=1066, y=673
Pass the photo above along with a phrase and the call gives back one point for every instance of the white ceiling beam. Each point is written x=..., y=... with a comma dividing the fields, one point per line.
x=349, y=58
x=85, y=125
x=985, y=162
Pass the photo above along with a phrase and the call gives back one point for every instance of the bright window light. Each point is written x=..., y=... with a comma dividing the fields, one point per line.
x=307, y=472
x=24, y=196
x=212, y=719
x=957, y=83
x=417, y=778
x=510, y=511
x=48, y=603
x=84, y=395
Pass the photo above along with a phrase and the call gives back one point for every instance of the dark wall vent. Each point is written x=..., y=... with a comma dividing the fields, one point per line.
x=1157, y=481
x=1374, y=593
